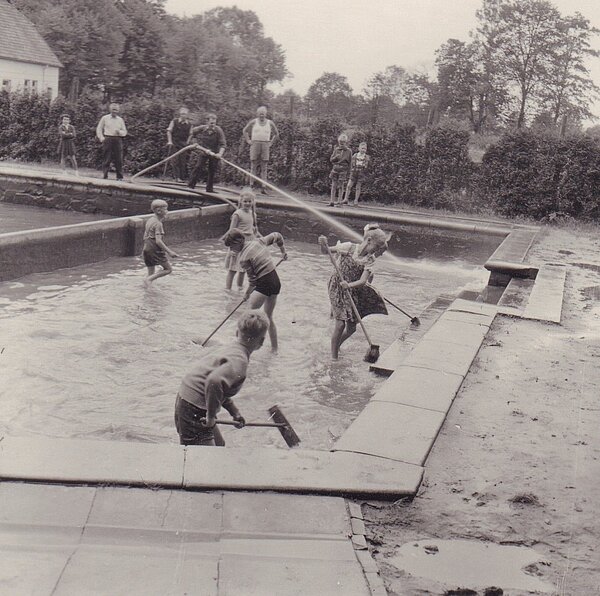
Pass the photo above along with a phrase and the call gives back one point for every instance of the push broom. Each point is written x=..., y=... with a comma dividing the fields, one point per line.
x=373, y=353
x=414, y=320
x=280, y=422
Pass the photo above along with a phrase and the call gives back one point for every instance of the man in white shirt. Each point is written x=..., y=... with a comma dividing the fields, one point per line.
x=260, y=133
x=110, y=132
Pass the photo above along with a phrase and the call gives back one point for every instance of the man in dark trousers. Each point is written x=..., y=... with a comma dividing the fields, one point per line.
x=212, y=138
x=110, y=132
x=177, y=135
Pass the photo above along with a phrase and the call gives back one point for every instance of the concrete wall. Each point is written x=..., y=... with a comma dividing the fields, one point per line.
x=33, y=251
x=97, y=196
x=45, y=77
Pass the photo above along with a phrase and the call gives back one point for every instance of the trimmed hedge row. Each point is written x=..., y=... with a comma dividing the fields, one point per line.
x=524, y=173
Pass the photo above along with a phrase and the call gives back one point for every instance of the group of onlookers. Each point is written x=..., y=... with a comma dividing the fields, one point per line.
x=260, y=133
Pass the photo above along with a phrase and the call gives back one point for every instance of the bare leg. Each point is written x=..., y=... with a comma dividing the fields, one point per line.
x=74, y=163
x=336, y=337
x=166, y=269
x=263, y=173
x=229, y=279
x=240, y=280
x=62, y=165
x=348, y=332
x=341, y=189
x=253, y=168
x=256, y=301
x=333, y=192
x=348, y=189
x=357, y=192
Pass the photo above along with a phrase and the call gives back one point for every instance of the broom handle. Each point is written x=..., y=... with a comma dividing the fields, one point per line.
x=163, y=161
x=272, y=424
x=354, y=309
x=392, y=304
x=229, y=315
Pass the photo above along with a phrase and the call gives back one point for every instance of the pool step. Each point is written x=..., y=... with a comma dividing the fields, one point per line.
x=540, y=299
x=395, y=354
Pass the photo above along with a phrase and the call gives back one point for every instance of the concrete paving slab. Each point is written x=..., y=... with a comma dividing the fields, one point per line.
x=515, y=295
x=478, y=308
x=323, y=549
x=395, y=431
x=456, y=332
x=546, y=298
x=33, y=571
x=420, y=388
x=272, y=513
x=469, y=318
x=107, y=462
x=44, y=504
x=299, y=470
x=255, y=576
x=354, y=509
x=137, y=571
x=396, y=352
x=449, y=358
x=166, y=510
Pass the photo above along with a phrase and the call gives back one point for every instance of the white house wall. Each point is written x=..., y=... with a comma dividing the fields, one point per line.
x=20, y=72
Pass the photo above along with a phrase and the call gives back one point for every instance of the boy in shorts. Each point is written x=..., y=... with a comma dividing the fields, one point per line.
x=214, y=380
x=358, y=168
x=340, y=158
x=155, y=250
x=255, y=259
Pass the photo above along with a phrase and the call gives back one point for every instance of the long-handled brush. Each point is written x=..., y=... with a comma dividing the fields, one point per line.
x=280, y=422
x=414, y=320
x=373, y=353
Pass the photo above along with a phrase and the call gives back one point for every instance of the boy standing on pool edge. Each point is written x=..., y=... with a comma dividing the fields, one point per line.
x=214, y=380
x=155, y=250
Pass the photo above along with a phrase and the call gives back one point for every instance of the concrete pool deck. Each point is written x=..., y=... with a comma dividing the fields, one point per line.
x=102, y=541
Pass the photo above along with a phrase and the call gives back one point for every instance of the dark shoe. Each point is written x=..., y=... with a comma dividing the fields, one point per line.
x=105, y=176
x=211, y=190
x=263, y=191
x=121, y=178
x=331, y=205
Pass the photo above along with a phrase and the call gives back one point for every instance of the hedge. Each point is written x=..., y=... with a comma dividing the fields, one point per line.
x=524, y=173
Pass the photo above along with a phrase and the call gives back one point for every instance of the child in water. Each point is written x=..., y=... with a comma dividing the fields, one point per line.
x=155, y=250
x=214, y=380
x=254, y=258
x=244, y=219
x=355, y=262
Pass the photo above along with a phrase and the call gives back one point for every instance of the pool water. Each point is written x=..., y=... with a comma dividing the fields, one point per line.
x=88, y=352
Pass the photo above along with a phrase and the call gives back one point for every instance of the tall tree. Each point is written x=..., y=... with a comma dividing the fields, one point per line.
x=385, y=92
x=142, y=57
x=521, y=37
x=569, y=89
x=468, y=87
x=330, y=95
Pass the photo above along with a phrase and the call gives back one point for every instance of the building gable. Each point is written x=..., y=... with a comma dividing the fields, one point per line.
x=20, y=40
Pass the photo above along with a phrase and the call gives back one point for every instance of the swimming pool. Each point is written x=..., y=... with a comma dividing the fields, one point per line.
x=87, y=352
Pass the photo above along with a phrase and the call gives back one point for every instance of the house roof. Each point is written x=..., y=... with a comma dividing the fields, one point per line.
x=20, y=40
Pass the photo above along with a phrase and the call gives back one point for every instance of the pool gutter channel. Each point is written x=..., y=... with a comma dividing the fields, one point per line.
x=383, y=452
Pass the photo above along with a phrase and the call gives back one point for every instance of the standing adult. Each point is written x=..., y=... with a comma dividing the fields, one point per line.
x=110, y=132
x=260, y=133
x=178, y=133
x=212, y=138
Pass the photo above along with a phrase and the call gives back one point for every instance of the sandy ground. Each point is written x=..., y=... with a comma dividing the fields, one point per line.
x=518, y=459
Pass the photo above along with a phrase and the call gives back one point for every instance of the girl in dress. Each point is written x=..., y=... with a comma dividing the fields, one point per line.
x=243, y=219
x=66, y=144
x=355, y=262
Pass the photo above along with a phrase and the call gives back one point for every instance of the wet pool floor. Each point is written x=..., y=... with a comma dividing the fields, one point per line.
x=89, y=353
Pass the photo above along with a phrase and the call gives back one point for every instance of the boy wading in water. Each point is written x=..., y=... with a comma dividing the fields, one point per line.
x=214, y=380
x=355, y=262
x=155, y=250
x=255, y=259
